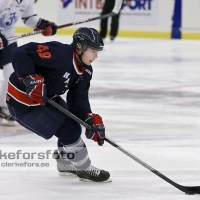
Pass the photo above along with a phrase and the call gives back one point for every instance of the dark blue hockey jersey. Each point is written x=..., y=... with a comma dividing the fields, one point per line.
x=57, y=63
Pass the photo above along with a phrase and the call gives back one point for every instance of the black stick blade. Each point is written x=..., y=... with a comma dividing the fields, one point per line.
x=190, y=190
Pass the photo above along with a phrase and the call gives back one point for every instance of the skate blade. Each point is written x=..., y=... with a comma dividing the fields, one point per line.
x=7, y=123
x=67, y=174
x=87, y=180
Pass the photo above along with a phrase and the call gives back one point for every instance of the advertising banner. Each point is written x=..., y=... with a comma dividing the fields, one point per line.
x=140, y=13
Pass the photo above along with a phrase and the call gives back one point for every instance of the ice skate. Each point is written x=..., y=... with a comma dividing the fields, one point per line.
x=5, y=117
x=93, y=174
x=64, y=167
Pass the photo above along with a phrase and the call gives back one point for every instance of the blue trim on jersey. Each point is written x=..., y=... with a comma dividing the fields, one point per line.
x=177, y=20
x=27, y=18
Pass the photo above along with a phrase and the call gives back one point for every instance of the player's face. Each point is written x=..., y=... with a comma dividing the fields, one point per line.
x=90, y=55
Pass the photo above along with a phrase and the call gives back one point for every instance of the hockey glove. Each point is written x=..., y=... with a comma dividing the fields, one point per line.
x=98, y=133
x=49, y=27
x=36, y=88
x=3, y=41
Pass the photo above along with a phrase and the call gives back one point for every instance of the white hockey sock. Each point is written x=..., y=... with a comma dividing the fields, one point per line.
x=77, y=153
x=7, y=71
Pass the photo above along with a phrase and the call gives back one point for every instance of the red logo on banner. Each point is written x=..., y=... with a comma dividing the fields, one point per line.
x=88, y=4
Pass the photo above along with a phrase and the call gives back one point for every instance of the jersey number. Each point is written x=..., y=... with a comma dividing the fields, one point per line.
x=43, y=52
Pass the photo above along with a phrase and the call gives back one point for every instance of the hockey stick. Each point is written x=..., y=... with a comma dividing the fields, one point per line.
x=187, y=189
x=116, y=9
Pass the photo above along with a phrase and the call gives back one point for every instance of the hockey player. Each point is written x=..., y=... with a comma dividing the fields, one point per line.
x=50, y=69
x=10, y=12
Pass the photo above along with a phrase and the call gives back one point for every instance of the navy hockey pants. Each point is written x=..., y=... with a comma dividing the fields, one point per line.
x=47, y=121
x=6, y=54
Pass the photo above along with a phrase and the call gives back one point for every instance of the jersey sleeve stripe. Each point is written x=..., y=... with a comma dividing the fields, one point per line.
x=20, y=96
x=27, y=18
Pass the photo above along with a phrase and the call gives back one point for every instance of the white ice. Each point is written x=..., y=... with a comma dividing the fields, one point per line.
x=148, y=94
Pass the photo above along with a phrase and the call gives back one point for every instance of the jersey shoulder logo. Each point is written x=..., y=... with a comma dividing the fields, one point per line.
x=66, y=76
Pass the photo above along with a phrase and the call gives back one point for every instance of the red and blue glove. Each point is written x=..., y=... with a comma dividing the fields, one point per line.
x=3, y=41
x=98, y=132
x=49, y=27
x=36, y=88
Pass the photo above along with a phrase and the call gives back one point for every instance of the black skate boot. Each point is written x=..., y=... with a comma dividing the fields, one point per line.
x=5, y=117
x=64, y=167
x=93, y=174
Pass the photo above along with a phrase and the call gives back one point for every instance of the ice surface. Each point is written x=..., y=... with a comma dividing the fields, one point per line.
x=148, y=94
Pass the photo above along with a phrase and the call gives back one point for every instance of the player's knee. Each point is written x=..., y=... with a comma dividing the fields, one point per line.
x=69, y=132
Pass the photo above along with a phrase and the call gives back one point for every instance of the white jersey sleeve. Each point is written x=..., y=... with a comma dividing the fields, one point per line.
x=29, y=16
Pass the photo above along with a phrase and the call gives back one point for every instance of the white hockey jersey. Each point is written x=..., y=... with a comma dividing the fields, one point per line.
x=11, y=11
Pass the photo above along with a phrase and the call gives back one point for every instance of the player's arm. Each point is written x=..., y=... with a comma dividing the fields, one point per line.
x=31, y=19
x=78, y=102
x=77, y=96
x=26, y=60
